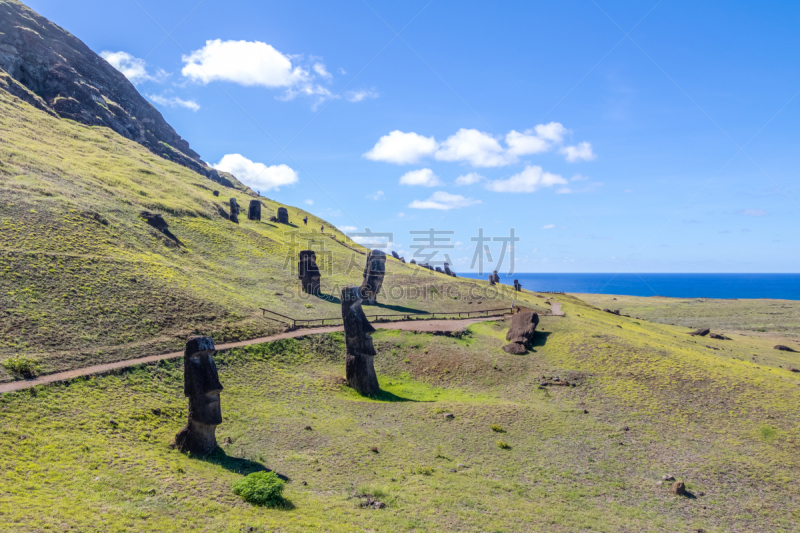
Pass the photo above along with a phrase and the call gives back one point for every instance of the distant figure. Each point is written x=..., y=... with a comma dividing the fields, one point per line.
x=322, y=229
x=305, y=221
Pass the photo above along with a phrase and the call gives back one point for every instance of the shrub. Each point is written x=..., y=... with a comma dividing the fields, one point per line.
x=498, y=429
x=503, y=445
x=260, y=488
x=767, y=433
x=22, y=366
x=423, y=470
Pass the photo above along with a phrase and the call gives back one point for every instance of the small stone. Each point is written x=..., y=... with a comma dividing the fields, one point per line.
x=308, y=428
x=659, y=483
x=453, y=470
x=668, y=477
x=449, y=416
x=585, y=412
x=304, y=483
x=374, y=449
x=626, y=428
x=319, y=470
x=378, y=505
x=461, y=465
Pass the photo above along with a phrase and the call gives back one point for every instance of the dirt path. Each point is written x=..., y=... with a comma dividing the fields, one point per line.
x=405, y=325
x=555, y=309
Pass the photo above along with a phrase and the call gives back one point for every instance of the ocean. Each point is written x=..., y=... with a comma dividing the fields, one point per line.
x=724, y=286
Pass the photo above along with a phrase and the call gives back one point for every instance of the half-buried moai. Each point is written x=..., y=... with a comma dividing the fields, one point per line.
x=495, y=277
x=234, y=210
x=491, y=279
x=254, y=211
x=373, y=276
x=517, y=286
x=283, y=215
x=448, y=271
x=359, y=366
x=308, y=272
x=521, y=332
x=201, y=385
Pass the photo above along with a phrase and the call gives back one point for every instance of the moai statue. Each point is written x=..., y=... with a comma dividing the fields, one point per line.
x=496, y=277
x=216, y=193
x=254, y=212
x=373, y=276
x=359, y=366
x=491, y=279
x=517, y=286
x=234, y=211
x=395, y=255
x=201, y=385
x=448, y=271
x=283, y=215
x=439, y=269
x=413, y=262
x=308, y=271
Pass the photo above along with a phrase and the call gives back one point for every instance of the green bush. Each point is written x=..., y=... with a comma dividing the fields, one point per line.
x=260, y=488
x=22, y=366
x=503, y=445
x=498, y=429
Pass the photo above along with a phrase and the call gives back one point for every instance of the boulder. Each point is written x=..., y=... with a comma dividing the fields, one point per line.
x=615, y=312
x=201, y=385
x=718, y=336
x=374, y=271
x=359, y=365
x=308, y=272
x=216, y=193
x=234, y=211
x=283, y=215
x=783, y=348
x=679, y=488
x=515, y=348
x=254, y=211
x=523, y=325
x=702, y=332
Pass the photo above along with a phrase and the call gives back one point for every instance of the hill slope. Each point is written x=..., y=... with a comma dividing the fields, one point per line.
x=86, y=280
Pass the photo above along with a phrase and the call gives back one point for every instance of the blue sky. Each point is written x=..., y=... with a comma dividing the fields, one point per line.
x=612, y=136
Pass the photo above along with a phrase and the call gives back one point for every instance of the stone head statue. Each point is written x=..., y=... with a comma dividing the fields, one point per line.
x=374, y=271
x=359, y=366
x=308, y=271
x=201, y=385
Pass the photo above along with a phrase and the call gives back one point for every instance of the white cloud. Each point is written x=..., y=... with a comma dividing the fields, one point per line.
x=578, y=177
x=529, y=180
x=443, y=201
x=752, y=213
x=257, y=175
x=377, y=196
x=474, y=147
x=359, y=95
x=580, y=152
x=319, y=68
x=131, y=67
x=548, y=226
x=539, y=139
x=564, y=190
x=424, y=177
x=174, y=101
x=469, y=179
x=309, y=202
x=552, y=131
x=402, y=148
x=247, y=63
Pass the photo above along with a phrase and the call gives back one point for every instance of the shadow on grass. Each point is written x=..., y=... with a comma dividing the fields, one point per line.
x=399, y=309
x=236, y=465
x=328, y=298
x=539, y=339
x=389, y=397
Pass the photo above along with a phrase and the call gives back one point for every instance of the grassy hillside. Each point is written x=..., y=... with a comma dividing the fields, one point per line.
x=86, y=280
x=647, y=401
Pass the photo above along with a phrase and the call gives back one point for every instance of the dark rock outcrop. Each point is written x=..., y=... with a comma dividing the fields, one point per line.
x=201, y=385
x=720, y=337
x=283, y=215
x=702, y=332
x=234, y=211
x=308, y=272
x=374, y=272
x=359, y=365
x=254, y=210
x=66, y=78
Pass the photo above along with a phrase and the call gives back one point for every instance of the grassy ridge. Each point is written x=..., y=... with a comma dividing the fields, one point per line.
x=85, y=280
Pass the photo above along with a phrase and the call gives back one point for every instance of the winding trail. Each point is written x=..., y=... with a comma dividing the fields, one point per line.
x=405, y=325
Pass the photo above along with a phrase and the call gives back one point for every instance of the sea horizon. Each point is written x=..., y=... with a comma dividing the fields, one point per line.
x=725, y=286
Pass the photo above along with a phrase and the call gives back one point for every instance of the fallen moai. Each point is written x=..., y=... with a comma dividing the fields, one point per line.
x=359, y=365
x=234, y=211
x=783, y=348
x=702, y=332
x=374, y=272
x=254, y=211
x=308, y=272
x=521, y=332
x=201, y=385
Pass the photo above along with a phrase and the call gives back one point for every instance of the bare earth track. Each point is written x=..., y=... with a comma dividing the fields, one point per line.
x=405, y=325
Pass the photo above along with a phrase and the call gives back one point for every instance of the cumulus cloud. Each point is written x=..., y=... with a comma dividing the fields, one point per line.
x=531, y=179
x=752, y=212
x=174, y=101
x=402, y=148
x=359, y=95
x=257, y=175
x=580, y=152
x=309, y=201
x=478, y=148
x=469, y=179
x=472, y=146
x=320, y=69
x=443, y=201
x=131, y=67
x=423, y=177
